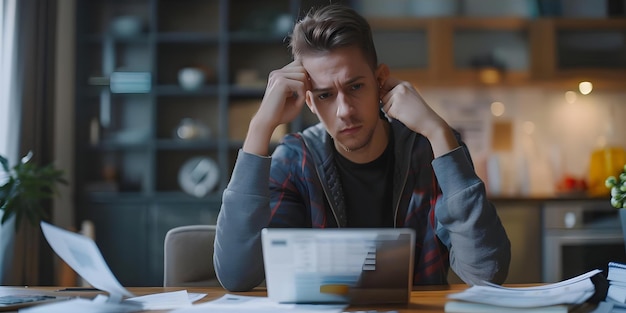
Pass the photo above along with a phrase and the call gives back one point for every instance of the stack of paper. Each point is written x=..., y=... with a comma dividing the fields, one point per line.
x=557, y=297
x=617, y=282
x=616, y=294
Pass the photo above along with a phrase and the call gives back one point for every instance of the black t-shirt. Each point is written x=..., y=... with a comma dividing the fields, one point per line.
x=368, y=189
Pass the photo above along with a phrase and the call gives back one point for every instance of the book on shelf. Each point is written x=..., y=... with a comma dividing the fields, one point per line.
x=565, y=296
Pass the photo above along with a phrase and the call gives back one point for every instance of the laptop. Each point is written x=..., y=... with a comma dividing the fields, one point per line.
x=342, y=265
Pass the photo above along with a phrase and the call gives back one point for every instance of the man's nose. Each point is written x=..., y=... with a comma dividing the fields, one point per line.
x=344, y=106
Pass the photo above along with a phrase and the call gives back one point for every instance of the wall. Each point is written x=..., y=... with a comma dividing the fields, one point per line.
x=64, y=111
x=560, y=142
x=63, y=206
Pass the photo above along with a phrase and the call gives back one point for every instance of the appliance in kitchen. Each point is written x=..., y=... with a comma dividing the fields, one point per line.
x=578, y=236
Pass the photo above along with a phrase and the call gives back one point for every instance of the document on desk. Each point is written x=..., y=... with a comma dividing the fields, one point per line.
x=572, y=291
x=236, y=304
x=159, y=301
x=98, y=305
x=82, y=254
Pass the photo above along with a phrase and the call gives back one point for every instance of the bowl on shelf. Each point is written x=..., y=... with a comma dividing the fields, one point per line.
x=191, y=78
x=126, y=26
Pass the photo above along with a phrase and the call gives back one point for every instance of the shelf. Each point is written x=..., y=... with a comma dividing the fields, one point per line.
x=256, y=37
x=131, y=40
x=587, y=23
x=176, y=90
x=187, y=37
x=538, y=35
x=240, y=91
x=501, y=24
x=118, y=197
x=114, y=145
x=579, y=49
x=182, y=145
x=400, y=23
x=181, y=197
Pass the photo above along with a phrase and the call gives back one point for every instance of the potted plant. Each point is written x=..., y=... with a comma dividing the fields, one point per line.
x=25, y=187
x=618, y=195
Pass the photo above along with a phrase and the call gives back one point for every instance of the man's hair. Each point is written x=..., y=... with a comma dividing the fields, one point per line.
x=331, y=27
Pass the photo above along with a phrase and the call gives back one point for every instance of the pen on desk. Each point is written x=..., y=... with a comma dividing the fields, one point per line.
x=79, y=289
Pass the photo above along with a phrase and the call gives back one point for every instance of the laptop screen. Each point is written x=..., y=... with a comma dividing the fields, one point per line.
x=345, y=265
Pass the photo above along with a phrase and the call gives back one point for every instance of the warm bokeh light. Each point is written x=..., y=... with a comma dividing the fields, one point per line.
x=490, y=76
x=585, y=87
x=497, y=108
x=570, y=96
x=529, y=127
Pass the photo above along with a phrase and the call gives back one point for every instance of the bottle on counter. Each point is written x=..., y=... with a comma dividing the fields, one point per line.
x=604, y=162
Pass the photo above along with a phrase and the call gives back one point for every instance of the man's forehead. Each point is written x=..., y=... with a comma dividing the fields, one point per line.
x=327, y=77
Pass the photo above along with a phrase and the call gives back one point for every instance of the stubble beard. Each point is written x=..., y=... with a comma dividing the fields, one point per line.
x=358, y=145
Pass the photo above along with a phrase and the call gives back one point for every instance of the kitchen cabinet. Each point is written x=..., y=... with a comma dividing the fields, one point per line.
x=571, y=50
x=511, y=51
x=455, y=51
x=154, y=153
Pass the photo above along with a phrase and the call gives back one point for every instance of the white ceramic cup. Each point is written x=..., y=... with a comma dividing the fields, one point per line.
x=191, y=78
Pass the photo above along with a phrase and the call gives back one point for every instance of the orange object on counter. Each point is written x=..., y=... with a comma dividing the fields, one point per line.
x=604, y=162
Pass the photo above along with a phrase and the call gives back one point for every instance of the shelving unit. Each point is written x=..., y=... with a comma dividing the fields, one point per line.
x=128, y=157
x=532, y=52
x=570, y=49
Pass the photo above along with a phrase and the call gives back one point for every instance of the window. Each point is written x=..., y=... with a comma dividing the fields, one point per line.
x=9, y=121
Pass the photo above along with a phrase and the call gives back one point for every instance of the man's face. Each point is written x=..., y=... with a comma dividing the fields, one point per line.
x=345, y=97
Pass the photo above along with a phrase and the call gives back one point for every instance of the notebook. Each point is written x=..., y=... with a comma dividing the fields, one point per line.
x=345, y=265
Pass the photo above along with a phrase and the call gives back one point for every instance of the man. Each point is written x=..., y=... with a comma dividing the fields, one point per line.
x=360, y=167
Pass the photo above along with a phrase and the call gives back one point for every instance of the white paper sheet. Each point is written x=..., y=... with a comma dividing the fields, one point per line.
x=83, y=256
x=235, y=303
x=572, y=291
x=81, y=305
x=166, y=300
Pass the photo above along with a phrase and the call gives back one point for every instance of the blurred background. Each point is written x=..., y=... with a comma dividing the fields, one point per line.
x=145, y=103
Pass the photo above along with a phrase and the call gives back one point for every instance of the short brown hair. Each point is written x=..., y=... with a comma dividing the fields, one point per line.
x=331, y=27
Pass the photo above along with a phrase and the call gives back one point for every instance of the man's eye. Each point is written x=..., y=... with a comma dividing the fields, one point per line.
x=357, y=86
x=323, y=96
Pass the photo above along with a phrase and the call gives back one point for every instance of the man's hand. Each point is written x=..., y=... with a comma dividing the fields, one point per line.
x=401, y=101
x=283, y=100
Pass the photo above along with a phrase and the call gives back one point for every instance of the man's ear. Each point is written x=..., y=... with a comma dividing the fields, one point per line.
x=382, y=73
x=309, y=101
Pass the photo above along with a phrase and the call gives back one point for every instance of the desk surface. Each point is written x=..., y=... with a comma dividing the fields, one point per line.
x=423, y=299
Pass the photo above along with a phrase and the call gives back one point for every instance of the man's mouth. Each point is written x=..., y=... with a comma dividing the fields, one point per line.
x=350, y=130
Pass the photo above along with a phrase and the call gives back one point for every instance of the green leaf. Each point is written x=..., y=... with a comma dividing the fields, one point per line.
x=27, y=187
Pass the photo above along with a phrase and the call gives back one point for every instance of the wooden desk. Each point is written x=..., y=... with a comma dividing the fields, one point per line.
x=423, y=299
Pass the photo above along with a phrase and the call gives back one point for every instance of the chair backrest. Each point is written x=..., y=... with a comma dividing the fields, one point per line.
x=188, y=256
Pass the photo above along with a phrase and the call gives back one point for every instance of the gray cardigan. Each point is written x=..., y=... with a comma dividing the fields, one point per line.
x=466, y=223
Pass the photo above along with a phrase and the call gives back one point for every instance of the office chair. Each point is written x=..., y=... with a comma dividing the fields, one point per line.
x=188, y=257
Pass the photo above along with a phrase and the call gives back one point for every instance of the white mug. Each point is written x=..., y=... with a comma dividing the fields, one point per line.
x=191, y=78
